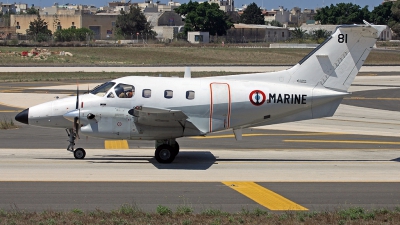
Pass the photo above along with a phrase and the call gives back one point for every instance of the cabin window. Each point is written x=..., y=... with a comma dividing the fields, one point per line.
x=124, y=91
x=101, y=90
x=168, y=94
x=146, y=93
x=190, y=95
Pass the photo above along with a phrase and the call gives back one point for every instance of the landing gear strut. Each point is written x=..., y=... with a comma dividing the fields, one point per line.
x=166, y=150
x=79, y=153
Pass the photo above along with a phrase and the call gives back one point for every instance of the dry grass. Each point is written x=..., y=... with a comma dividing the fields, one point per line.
x=127, y=56
x=34, y=76
x=132, y=215
x=6, y=124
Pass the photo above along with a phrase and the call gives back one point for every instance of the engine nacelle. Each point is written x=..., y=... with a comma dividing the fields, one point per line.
x=119, y=123
x=106, y=122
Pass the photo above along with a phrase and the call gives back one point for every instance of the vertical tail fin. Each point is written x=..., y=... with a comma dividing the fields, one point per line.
x=335, y=63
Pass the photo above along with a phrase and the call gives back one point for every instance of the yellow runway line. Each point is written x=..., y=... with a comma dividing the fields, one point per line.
x=257, y=135
x=116, y=144
x=263, y=196
x=346, y=142
x=8, y=111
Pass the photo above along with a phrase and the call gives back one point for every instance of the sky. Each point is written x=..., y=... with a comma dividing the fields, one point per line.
x=268, y=4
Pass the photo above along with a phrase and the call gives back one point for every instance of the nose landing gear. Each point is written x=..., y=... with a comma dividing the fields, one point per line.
x=79, y=153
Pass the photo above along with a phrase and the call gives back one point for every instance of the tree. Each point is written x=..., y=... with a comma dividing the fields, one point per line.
x=320, y=35
x=382, y=14
x=396, y=10
x=38, y=30
x=298, y=33
x=73, y=34
x=394, y=24
x=343, y=13
x=252, y=15
x=276, y=23
x=132, y=23
x=32, y=11
x=204, y=17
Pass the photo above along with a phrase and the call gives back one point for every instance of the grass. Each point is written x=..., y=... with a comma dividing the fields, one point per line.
x=155, y=56
x=6, y=124
x=30, y=77
x=128, y=214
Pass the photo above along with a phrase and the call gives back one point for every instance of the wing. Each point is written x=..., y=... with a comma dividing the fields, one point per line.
x=158, y=117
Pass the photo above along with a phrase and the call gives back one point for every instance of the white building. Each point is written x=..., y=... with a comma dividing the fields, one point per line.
x=281, y=15
x=7, y=8
x=224, y=5
x=197, y=37
x=20, y=8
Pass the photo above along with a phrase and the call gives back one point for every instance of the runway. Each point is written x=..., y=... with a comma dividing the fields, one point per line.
x=351, y=159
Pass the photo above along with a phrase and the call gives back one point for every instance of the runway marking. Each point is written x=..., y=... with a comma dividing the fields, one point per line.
x=363, y=98
x=12, y=106
x=119, y=144
x=257, y=135
x=8, y=111
x=346, y=142
x=263, y=196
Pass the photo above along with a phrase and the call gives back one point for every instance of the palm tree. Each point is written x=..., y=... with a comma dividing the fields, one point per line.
x=298, y=33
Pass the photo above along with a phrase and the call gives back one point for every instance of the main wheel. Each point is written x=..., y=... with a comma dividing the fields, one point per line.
x=176, y=148
x=79, y=153
x=165, y=154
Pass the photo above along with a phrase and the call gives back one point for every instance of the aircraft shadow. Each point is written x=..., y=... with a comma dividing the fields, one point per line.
x=307, y=160
x=197, y=160
x=200, y=160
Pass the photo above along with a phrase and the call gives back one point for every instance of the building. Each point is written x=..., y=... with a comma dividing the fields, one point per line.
x=171, y=5
x=281, y=15
x=20, y=8
x=256, y=33
x=7, y=8
x=7, y=32
x=224, y=5
x=102, y=24
x=197, y=37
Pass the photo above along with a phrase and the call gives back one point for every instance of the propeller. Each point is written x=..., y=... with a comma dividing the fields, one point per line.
x=77, y=119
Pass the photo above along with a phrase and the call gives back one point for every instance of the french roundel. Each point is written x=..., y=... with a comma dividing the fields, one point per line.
x=257, y=97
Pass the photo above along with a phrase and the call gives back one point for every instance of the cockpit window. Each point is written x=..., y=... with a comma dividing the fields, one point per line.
x=102, y=89
x=124, y=91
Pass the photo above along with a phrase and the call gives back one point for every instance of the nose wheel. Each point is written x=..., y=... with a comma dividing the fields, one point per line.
x=79, y=153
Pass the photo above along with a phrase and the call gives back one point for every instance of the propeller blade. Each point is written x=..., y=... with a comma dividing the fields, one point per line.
x=77, y=120
x=77, y=96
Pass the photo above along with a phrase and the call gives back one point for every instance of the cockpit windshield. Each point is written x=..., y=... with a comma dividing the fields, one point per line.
x=124, y=90
x=102, y=89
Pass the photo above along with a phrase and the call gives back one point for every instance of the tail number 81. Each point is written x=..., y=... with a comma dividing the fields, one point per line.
x=342, y=38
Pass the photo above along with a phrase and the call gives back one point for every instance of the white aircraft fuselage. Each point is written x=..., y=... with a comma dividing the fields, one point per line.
x=166, y=108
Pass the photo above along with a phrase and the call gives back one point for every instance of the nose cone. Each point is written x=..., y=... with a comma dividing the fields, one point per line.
x=22, y=117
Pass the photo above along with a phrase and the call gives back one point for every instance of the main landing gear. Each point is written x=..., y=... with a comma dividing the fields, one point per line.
x=166, y=150
x=79, y=153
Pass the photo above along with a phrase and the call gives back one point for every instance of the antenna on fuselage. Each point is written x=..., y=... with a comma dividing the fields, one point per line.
x=187, y=73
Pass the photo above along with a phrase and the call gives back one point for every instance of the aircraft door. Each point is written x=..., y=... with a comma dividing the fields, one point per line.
x=220, y=106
